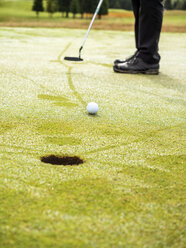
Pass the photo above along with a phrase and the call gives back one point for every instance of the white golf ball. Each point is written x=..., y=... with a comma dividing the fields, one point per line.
x=92, y=108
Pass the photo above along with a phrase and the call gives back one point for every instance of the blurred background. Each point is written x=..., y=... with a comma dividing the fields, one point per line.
x=114, y=14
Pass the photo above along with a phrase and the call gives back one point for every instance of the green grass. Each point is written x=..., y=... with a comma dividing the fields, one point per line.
x=175, y=18
x=130, y=192
x=19, y=11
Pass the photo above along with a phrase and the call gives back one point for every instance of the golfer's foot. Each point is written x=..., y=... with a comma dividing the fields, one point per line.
x=136, y=66
x=118, y=61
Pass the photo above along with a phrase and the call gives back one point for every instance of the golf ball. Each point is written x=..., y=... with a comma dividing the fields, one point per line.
x=92, y=108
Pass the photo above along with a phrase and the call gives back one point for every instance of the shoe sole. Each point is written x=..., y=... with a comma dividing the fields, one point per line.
x=147, y=72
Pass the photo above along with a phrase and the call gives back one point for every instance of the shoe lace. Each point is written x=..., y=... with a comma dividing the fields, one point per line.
x=133, y=60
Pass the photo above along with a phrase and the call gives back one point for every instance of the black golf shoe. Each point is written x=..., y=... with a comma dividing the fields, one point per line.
x=137, y=66
x=118, y=61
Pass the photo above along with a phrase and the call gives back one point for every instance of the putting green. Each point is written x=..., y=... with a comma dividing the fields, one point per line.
x=130, y=191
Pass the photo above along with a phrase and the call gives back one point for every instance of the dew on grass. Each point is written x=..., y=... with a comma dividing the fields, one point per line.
x=59, y=160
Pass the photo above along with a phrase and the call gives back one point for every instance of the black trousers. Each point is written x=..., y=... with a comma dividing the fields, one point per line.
x=148, y=22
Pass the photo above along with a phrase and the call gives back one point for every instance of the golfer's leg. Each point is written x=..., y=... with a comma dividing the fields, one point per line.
x=150, y=23
x=136, y=8
x=136, y=5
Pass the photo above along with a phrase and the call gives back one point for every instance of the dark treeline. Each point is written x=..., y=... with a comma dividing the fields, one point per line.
x=71, y=6
x=127, y=4
x=175, y=4
x=89, y=6
x=120, y=4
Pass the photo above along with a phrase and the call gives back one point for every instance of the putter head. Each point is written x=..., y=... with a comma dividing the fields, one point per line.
x=77, y=59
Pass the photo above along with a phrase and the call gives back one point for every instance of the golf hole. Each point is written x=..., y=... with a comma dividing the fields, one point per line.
x=59, y=160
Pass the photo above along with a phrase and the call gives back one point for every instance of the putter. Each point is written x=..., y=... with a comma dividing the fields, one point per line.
x=86, y=36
